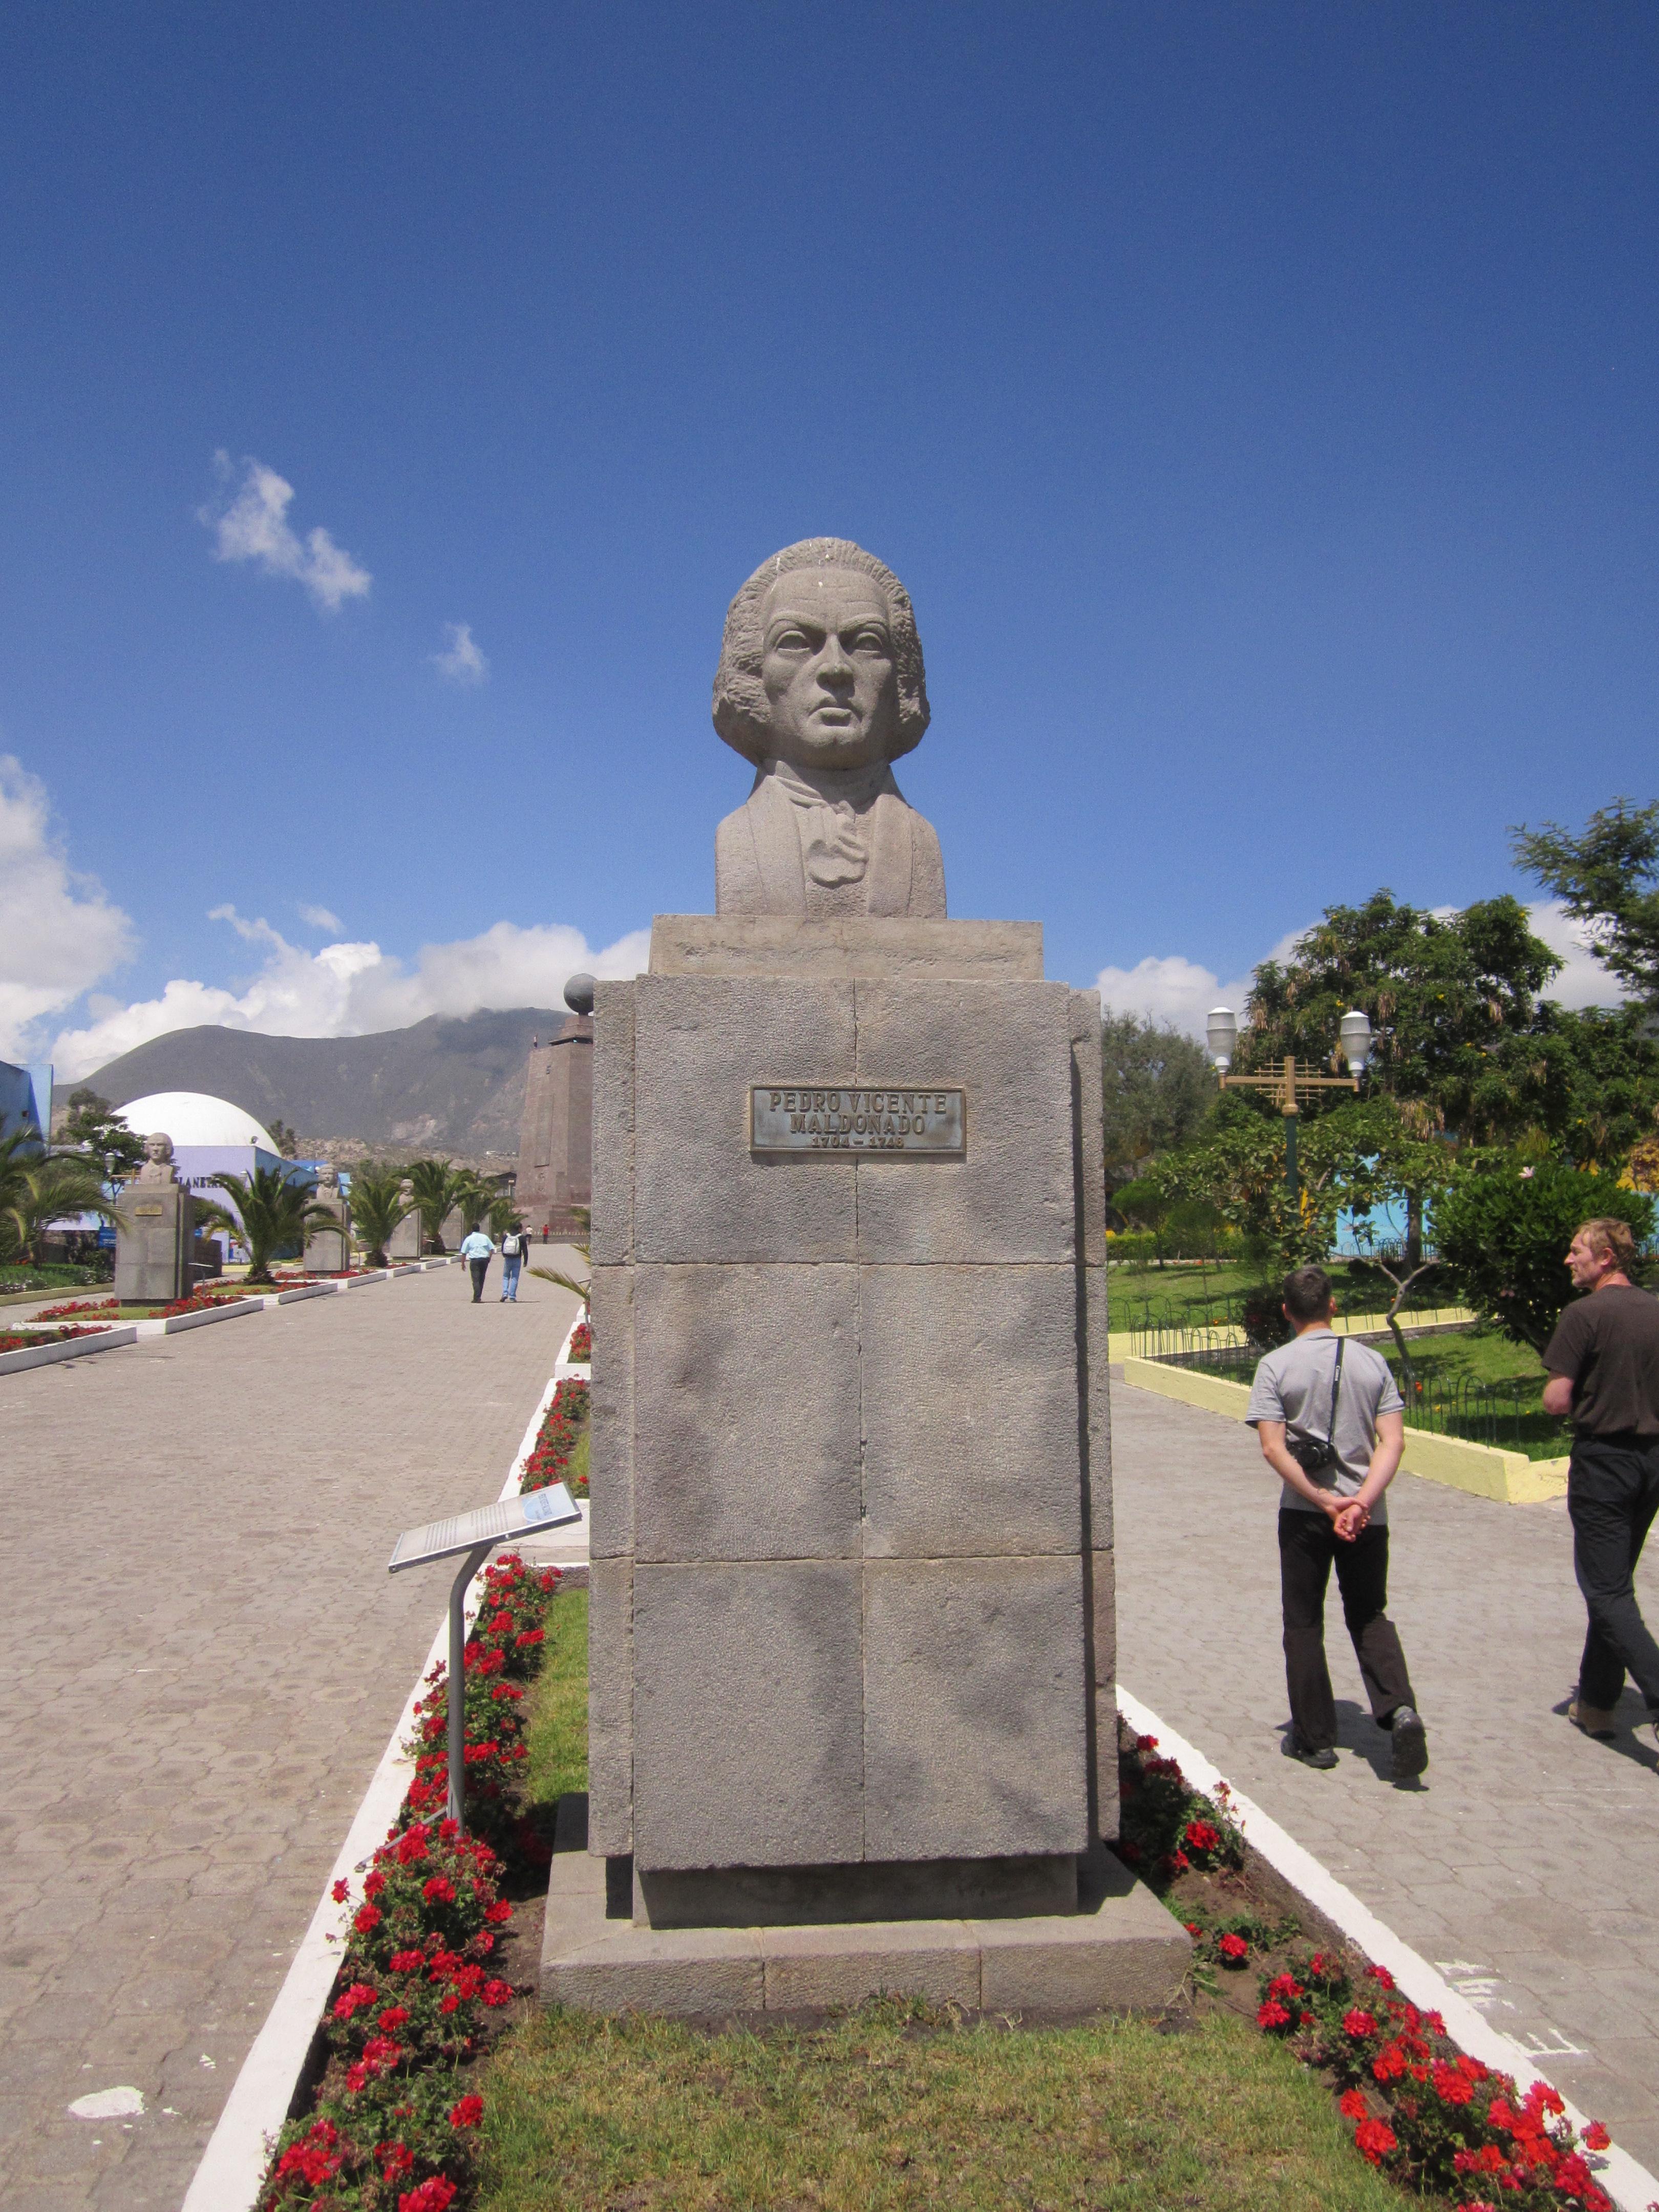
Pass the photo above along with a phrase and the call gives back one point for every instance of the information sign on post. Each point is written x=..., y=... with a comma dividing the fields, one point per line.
x=475, y=1533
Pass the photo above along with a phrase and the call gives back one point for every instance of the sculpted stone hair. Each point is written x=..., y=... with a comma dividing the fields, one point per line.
x=1613, y=1237
x=740, y=707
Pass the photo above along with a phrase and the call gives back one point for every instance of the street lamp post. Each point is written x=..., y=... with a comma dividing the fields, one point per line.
x=1283, y=1084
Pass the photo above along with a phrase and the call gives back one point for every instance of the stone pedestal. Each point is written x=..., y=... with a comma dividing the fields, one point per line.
x=556, y=1137
x=153, y=1249
x=851, y=1583
x=406, y=1239
x=328, y=1251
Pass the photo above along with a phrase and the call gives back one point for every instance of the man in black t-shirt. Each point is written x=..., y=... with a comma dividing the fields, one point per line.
x=1603, y=1363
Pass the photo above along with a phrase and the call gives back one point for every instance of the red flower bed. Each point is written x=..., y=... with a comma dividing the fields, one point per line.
x=1435, y=2119
x=14, y=1341
x=582, y=1341
x=393, y=2122
x=78, y=1306
x=1431, y=2118
x=556, y=1441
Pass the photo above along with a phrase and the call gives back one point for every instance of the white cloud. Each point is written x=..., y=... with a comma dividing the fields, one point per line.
x=1581, y=981
x=255, y=527
x=59, y=932
x=1176, y=990
x=349, y=988
x=320, y=918
x=463, y=662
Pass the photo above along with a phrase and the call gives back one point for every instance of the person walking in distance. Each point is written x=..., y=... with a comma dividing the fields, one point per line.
x=513, y=1251
x=1332, y=1426
x=1603, y=1365
x=477, y=1251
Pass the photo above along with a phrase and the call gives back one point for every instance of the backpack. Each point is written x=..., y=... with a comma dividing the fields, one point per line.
x=510, y=1248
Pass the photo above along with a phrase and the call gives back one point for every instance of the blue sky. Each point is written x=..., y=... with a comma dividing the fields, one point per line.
x=1258, y=401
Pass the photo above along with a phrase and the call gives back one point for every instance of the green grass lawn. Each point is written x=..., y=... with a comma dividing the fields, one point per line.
x=1179, y=1293
x=893, y=2105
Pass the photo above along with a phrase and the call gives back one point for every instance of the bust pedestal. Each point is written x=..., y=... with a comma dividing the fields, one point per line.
x=153, y=1251
x=328, y=1251
x=851, y=1581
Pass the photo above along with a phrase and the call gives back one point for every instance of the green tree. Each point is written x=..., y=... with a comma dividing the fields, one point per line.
x=1586, y=1079
x=1353, y=1159
x=1606, y=877
x=379, y=1207
x=437, y=1187
x=1159, y=1089
x=475, y=1196
x=93, y=1122
x=38, y=1188
x=1502, y=1231
x=503, y=1214
x=1441, y=993
x=274, y=1212
x=285, y=1139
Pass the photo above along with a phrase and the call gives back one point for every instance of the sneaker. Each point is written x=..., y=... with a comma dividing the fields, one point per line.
x=1410, y=1743
x=1293, y=1748
x=1591, y=1718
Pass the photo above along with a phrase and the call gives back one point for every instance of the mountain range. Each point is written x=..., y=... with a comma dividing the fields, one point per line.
x=454, y=1083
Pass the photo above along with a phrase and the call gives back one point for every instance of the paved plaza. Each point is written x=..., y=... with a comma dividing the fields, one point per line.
x=1523, y=1866
x=204, y=1657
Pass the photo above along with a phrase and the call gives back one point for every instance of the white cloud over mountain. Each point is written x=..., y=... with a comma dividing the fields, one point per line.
x=349, y=989
x=255, y=527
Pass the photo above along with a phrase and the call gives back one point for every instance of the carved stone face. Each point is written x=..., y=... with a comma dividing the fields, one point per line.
x=158, y=1147
x=827, y=666
x=328, y=1177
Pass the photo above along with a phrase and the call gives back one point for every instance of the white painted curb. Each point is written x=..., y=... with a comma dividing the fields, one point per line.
x=234, y=2164
x=1631, y=2186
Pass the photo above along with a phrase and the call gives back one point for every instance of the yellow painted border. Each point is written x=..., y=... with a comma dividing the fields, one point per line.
x=1123, y=1343
x=1509, y=1477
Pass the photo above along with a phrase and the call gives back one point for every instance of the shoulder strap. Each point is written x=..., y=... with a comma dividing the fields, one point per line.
x=1336, y=1390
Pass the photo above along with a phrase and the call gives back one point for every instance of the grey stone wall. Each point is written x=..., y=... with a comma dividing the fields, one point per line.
x=851, y=1585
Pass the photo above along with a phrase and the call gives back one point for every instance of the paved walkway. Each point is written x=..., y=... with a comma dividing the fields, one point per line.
x=204, y=1658
x=1527, y=1866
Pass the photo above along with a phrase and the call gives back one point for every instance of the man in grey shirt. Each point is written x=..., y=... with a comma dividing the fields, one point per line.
x=1332, y=1426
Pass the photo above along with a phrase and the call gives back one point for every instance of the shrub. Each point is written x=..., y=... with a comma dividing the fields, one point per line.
x=1503, y=1230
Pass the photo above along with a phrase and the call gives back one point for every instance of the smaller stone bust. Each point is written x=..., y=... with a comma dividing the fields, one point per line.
x=821, y=684
x=328, y=1191
x=158, y=1159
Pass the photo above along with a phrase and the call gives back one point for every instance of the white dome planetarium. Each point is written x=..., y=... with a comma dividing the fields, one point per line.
x=193, y=1118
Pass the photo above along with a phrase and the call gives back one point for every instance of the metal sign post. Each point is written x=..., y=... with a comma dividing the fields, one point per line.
x=477, y=1534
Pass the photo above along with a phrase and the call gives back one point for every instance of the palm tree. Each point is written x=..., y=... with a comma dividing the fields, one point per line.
x=583, y=1215
x=275, y=1212
x=503, y=1214
x=37, y=1187
x=436, y=1186
x=476, y=1197
x=379, y=1207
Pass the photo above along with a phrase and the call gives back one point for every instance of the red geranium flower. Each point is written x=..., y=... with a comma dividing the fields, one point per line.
x=1595, y=2137
x=368, y=1919
x=468, y=2112
x=1358, y=2023
x=1351, y=2104
x=1376, y=2139
x=440, y=1890
x=1233, y=1946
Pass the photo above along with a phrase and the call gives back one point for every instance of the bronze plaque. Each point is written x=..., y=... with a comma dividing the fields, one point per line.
x=878, y=1120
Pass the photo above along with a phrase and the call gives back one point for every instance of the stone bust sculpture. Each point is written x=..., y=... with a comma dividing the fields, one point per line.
x=158, y=1159
x=821, y=684
x=327, y=1192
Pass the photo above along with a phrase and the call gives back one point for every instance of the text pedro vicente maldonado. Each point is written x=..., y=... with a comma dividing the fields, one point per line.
x=891, y=1118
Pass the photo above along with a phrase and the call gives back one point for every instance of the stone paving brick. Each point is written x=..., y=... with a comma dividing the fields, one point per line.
x=1522, y=1864
x=205, y=1656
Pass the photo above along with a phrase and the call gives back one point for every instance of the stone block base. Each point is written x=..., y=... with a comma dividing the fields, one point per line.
x=1119, y=1951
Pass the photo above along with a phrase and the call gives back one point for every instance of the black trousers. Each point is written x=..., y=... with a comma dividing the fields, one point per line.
x=1307, y=1546
x=478, y=1269
x=1613, y=1495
